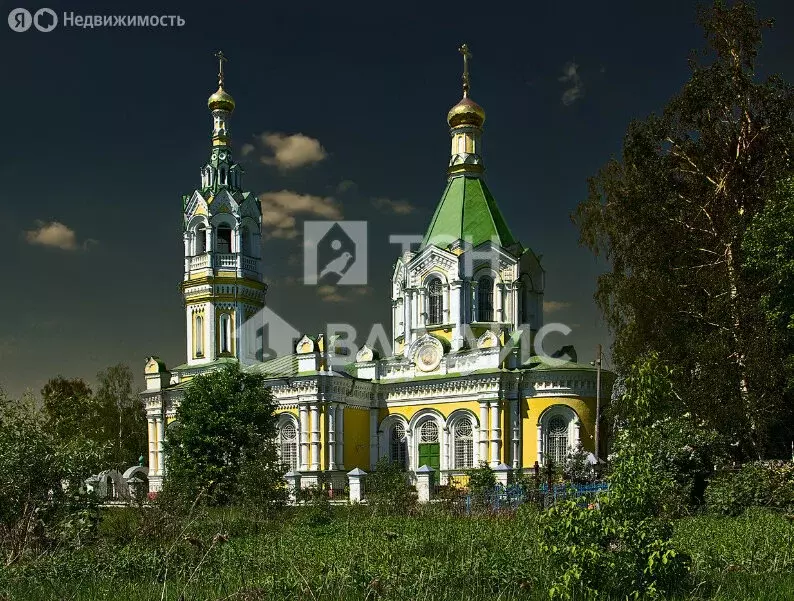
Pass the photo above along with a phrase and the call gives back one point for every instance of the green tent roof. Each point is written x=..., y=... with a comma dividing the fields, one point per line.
x=468, y=212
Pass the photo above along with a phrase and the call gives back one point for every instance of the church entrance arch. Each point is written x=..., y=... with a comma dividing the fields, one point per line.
x=429, y=447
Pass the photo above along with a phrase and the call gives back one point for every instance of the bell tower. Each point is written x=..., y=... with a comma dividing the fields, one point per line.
x=223, y=284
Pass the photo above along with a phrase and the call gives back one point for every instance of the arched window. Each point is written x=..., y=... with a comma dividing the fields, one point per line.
x=226, y=333
x=485, y=299
x=557, y=439
x=200, y=239
x=223, y=176
x=398, y=446
x=435, y=301
x=288, y=445
x=463, y=444
x=224, y=239
x=428, y=447
x=199, y=336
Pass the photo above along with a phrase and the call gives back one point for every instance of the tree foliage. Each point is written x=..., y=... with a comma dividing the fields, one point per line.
x=671, y=216
x=124, y=417
x=113, y=417
x=222, y=446
x=42, y=500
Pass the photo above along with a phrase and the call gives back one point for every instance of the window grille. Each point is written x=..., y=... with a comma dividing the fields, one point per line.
x=428, y=432
x=463, y=445
x=557, y=439
x=485, y=299
x=398, y=448
x=289, y=446
x=435, y=302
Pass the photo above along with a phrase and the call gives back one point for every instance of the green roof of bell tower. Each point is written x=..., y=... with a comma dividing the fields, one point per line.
x=467, y=211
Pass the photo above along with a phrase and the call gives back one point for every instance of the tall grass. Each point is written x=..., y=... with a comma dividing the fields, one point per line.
x=354, y=555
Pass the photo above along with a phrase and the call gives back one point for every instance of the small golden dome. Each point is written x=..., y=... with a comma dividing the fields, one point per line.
x=221, y=100
x=466, y=112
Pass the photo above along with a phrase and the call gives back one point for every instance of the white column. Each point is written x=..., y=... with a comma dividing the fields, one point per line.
x=152, y=464
x=373, y=437
x=211, y=346
x=515, y=291
x=500, y=303
x=475, y=299
x=483, y=451
x=422, y=309
x=445, y=304
x=455, y=313
x=577, y=428
x=209, y=244
x=331, y=436
x=159, y=427
x=425, y=477
x=314, y=419
x=189, y=328
x=236, y=248
x=496, y=432
x=445, y=462
x=340, y=437
x=540, y=445
x=395, y=320
x=408, y=317
x=516, y=434
x=304, y=439
x=356, y=480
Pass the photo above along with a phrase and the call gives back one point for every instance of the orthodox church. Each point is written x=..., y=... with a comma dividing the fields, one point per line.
x=461, y=386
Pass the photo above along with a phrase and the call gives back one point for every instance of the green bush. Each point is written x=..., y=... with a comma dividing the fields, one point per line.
x=600, y=552
x=758, y=484
x=622, y=545
x=387, y=489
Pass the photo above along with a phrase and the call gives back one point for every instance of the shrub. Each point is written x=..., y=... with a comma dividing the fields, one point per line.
x=222, y=451
x=601, y=552
x=577, y=468
x=482, y=482
x=759, y=484
x=387, y=489
x=42, y=500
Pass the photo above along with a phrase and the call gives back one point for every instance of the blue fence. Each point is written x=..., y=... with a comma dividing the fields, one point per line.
x=510, y=497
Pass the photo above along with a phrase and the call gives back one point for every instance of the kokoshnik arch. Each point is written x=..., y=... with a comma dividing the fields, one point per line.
x=449, y=397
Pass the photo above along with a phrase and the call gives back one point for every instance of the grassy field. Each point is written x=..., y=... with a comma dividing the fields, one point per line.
x=307, y=554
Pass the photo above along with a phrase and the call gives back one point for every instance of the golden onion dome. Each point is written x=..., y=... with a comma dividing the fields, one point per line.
x=221, y=101
x=466, y=112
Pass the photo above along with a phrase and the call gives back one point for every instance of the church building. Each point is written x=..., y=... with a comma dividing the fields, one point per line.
x=462, y=385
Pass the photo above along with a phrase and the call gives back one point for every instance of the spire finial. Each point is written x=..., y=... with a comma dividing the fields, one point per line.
x=464, y=50
x=221, y=59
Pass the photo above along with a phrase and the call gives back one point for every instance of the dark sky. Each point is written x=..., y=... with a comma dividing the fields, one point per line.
x=105, y=129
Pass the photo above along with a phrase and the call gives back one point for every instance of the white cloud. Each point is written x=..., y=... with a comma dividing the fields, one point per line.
x=333, y=294
x=292, y=151
x=279, y=210
x=553, y=306
x=56, y=235
x=330, y=294
x=570, y=75
x=247, y=149
x=398, y=207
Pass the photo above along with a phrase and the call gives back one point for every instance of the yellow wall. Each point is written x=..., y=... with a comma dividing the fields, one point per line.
x=444, y=408
x=531, y=410
x=356, y=426
x=356, y=446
